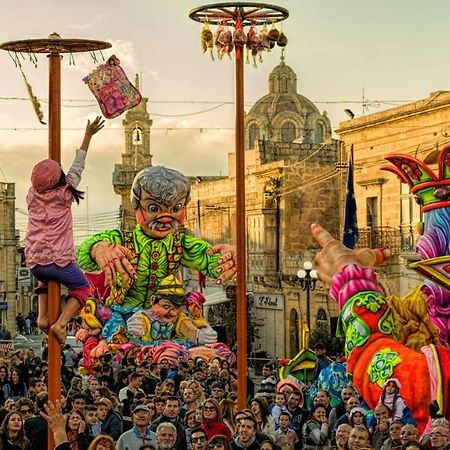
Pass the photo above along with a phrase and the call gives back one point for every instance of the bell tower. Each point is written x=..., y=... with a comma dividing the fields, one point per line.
x=137, y=155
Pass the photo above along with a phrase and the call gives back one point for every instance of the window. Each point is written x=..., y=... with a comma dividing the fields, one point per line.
x=287, y=132
x=253, y=135
x=318, y=133
x=372, y=211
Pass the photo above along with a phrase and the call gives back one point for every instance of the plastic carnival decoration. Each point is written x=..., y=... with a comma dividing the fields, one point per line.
x=403, y=339
x=145, y=309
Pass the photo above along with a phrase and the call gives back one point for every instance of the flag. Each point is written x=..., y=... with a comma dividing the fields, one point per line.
x=197, y=234
x=350, y=234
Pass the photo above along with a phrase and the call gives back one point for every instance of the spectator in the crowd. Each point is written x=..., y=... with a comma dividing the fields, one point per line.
x=339, y=410
x=75, y=386
x=357, y=416
x=439, y=437
x=12, y=434
x=166, y=436
x=269, y=445
x=217, y=391
x=126, y=396
x=228, y=408
x=102, y=442
x=93, y=424
x=342, y=436
x=189, y=400
x=322, y=361
x=352, y=402
x=15, y=387
x=36, y=426
x=141, y=433
x=299, y=415
x=25, y=407
x=266, y=425
x=322, y=398
x=198, y=391
x=192, y=421
x=285, y=437
x=93, y=385
x=246, y=435
x=278, y=407
x=315, y=430
x=381, y=430
x=408, y=434
x=153, y=378
x=112, y=423
x=77, y=432
x=219, y=442
x=359, y=438
x=199, y=440
x=269, y=382
x=394, y=442
x=212, y=422
x=4, y=378
x=171, y=414
x=78, y=402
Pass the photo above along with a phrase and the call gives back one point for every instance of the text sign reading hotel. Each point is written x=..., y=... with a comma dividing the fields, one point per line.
x=268, y=301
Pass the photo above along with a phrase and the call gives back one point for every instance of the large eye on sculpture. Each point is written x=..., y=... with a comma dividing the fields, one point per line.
x=152, y=208
x=177, y=208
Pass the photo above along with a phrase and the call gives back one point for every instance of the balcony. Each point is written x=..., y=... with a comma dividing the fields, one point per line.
x=398, y=240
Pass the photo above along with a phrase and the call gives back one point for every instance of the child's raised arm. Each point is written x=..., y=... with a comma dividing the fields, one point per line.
x=91, y=129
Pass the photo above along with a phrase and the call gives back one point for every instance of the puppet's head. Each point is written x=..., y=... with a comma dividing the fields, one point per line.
x=159, y=197
x=432, y=192
x=196, y=300
x=169, y=301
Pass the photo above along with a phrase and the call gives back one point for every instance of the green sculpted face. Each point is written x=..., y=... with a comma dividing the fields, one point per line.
x=382, y=366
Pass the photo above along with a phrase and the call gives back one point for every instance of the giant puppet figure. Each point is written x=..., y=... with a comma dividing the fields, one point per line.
x=388, y=337
x=145, y=303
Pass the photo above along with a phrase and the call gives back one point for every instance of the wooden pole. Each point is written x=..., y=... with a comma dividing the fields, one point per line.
x=241, y=297
x=54, y=289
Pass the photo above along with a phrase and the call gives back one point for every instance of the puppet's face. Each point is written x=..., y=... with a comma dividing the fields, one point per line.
x=195, y=311
x=159, y=220
x=166, y=311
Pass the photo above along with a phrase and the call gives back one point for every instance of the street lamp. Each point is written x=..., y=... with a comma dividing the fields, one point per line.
x=308, y=279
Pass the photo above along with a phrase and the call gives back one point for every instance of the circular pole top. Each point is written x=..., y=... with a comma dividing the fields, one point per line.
x=249, y=13
x=54, y=44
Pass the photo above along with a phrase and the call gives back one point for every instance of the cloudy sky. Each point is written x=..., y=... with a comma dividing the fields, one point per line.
x=393, y=51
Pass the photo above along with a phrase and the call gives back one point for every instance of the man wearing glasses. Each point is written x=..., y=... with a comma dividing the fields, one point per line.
x=439, y=437
x=140, y=434
x=198, y=439
x=25, y=407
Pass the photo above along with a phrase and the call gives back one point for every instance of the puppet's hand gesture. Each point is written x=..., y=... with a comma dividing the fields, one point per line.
x=334, y=255
x=113, y=259
x=228, y=263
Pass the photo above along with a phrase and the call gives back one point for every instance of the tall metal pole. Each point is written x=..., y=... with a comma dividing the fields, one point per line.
x=54, y=289
x=308, y=299
x=241, y=297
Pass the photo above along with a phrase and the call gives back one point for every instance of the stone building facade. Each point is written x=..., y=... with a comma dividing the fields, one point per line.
x=387, y=213
x=291, y=182
x=9, y=257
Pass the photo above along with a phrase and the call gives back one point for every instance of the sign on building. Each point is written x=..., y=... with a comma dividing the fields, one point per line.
x=23, y=277
x=269, y=301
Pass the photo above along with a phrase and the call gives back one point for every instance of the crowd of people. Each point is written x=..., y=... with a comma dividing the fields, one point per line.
x=149, y=405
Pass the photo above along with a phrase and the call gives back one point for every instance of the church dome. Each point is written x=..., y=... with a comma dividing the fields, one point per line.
x=285, y=115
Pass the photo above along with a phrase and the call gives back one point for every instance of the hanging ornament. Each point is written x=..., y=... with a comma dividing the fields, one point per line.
x=112, y=89
x=33, y=99
x=282, y=40
x=207, y=40
x=239, y=37
x=226, y=40
x=273, y=35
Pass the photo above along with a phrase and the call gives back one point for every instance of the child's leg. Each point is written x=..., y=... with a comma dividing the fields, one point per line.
x=59, y=327
x=79, y=289
x=42, y=320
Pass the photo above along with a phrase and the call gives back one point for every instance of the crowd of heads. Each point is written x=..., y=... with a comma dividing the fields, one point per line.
x=151, y=405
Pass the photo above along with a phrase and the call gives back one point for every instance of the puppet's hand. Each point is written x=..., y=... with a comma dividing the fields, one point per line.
x=113, y=259
x=334, y=255
x=227, y=261
x=206, y=336
x=137, y=326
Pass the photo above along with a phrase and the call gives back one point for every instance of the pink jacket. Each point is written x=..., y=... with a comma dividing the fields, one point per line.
x=50, y=235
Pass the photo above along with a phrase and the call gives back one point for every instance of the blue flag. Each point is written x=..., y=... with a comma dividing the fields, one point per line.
x=350, y=234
